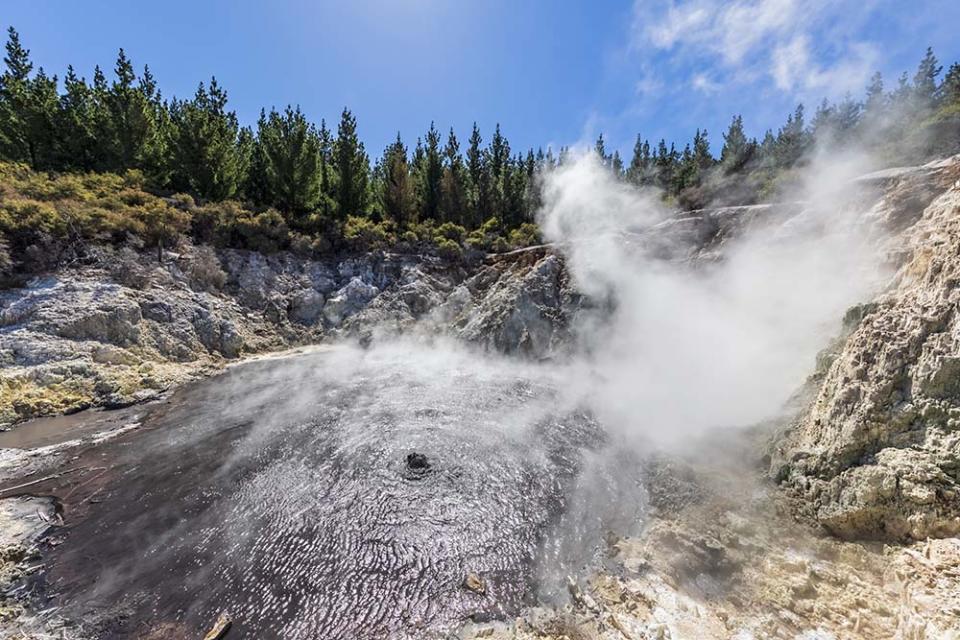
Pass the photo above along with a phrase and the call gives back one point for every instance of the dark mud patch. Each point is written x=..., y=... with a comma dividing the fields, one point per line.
x=334, y=495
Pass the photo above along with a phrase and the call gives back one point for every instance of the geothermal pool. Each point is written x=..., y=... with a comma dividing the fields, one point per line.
x=339, y=493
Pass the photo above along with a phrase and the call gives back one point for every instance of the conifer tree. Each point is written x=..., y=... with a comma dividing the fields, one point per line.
x=397, y=197
x=475, y=178
x=638, y=172
x=453, y=184
x=207, y=153
x=737, y=149
x=76, y=125
x=925, y=81
x=950, y=89
x=288, y=154
x=15, y=100
x=353, y=168
x=430, y=170
x=134, y=140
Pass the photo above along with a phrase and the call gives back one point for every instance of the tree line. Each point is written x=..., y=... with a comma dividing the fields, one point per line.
x=318, y=178
x=918, y=118
x=314, y=175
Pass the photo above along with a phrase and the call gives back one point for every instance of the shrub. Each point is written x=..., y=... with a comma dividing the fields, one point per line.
x=23, y=216
x=265, y=232
x=204, y=271
x=478, y=240
x=449, y=249
x=362, y=234
x=491, y=226
x=451, y=231
x=499, y=245
x=526, y=235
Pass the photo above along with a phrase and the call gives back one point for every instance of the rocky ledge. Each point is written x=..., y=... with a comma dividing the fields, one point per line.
x=126, y=328
x=877, y=454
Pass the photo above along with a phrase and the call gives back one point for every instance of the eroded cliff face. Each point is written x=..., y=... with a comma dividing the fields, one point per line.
x=877, y=455
x=126, y=329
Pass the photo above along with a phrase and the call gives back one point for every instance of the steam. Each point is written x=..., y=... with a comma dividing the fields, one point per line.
x=696, y=342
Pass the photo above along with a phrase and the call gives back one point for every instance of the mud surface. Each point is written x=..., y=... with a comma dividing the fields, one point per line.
x=336, y=494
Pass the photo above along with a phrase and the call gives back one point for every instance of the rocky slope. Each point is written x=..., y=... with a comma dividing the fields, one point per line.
x=878, y=453
x=126, y=328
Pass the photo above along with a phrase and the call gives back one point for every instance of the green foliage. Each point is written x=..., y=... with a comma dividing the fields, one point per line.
x=112, y=145
x=287, y=159
x=362, y=234
x=353, y=168
x=451, y=231
x=209, y=156
x=449, y=250
x=526, y=235
x=397, y=195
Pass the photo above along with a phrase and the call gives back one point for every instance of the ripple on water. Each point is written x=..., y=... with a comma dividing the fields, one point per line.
x=285, y=494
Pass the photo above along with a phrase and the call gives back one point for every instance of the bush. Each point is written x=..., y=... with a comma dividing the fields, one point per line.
x=362, y=234
x=204, y=271
x=499, y=245
x=26, y=216
x=451, y=231
x=478, y=240
x=265, y=232
x=127, y=269
x=449, y=250
x=526, y=235
x=309, y=246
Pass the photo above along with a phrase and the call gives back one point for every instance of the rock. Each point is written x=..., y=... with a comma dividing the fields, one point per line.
x=348, y=300
x=525, y=309
x=306, y=307
x=108, y=354
x=877, y=455
x=473, y=582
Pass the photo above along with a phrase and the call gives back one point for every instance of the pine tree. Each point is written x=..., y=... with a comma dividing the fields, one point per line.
x=15, y=100
x=207, y=153
x=40, y=120
x=638, y=173
x=453, y=184
x=329, y=180
x=76, y=125
x=737, y=149
x=288, y=154
x=792, y=140
x=134, y=139
x=702, y=158
x=514, y=193
x=476, y=181
x=397, y=197
x=665, y=164
x=353, y=168
x=876, y=99
x=600, y=148
x=925, y=81
x=430, y=170
x=950, y=89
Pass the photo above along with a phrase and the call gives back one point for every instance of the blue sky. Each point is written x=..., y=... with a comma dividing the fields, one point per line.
x=550, y=72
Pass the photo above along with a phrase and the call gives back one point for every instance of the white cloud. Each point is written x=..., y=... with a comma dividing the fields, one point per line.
x=759, y=38
x=702, y=83
x=793, y=68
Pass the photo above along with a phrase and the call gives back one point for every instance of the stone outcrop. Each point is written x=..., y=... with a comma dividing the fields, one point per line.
x=96, y=336
x=878, y=453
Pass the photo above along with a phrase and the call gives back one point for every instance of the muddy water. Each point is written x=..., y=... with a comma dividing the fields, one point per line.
x=340, y=494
